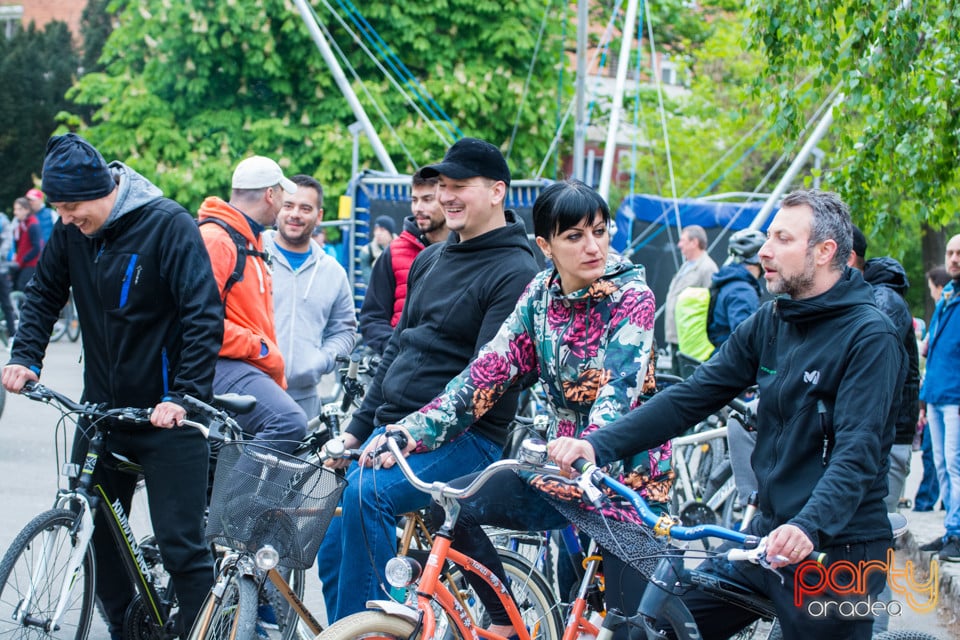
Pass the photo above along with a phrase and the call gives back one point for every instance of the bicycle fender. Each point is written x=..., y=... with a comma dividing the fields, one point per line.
x=394, y=609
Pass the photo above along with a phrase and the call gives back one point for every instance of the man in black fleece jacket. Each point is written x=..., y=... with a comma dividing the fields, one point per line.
x=829, y=367
x=460, y=292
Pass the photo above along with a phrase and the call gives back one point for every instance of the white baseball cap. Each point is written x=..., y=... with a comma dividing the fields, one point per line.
x=258, y=172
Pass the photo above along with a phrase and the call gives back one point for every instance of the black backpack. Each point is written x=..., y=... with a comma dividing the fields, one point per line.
x=243, y=250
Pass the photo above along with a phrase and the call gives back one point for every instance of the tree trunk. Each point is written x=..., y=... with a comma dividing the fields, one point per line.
x=934, y=247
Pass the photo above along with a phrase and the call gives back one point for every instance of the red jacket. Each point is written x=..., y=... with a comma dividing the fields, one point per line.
x=248, y=316
x=403, y=250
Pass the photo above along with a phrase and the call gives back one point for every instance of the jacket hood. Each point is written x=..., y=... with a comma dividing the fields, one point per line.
x=513, y=234
x=311, y=265
x=888, y=272
x=133, y=191
x=214, y=207
x=733, y=272
x=618, y=271
x=849, y=291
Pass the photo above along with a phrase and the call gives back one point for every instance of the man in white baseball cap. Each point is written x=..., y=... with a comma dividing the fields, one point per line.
x=258, y=172
x=249, y=360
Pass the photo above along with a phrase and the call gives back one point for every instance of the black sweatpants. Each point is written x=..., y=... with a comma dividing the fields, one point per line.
x=175, y=465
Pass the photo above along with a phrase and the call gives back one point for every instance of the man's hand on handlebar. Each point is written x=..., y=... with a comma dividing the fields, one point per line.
x=349, y=441
x=787, y=544
x=15, y=376
x=386, y=459
x=167, y=415
x=565, y=451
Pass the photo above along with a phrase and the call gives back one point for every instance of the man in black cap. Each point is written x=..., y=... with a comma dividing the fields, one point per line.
x=460, y=292
x=152, y=325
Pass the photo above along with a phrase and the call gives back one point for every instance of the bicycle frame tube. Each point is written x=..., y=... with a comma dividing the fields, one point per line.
x=133, y=560
x=576, y=623
x=430, y=589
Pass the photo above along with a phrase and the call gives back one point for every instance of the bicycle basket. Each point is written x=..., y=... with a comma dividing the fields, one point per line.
x=262, y=496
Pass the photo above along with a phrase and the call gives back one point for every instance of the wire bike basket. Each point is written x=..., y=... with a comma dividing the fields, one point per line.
x=263, y=496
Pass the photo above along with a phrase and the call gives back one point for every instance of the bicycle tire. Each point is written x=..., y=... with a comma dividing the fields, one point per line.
x=73, y=320
x=904, y=634
x=287, y=620
x=534, y=597
x=230, y=616
x=48, y=537
x=369, y=624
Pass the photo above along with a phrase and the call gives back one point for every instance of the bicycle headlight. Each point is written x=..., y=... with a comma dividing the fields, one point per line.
x=402, y=571
x=266, y=558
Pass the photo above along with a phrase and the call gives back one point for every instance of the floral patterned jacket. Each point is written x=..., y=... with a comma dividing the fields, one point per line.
x=590, y=350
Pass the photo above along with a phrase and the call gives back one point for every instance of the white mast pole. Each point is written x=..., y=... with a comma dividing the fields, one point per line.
x=344, y=85
x=609, y=151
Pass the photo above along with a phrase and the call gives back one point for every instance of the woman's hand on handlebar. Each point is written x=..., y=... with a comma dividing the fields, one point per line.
x=15, y=376
x=386, y=459
x=787, y=544
x=167, y=415
x=566, y=451
x=349, y=441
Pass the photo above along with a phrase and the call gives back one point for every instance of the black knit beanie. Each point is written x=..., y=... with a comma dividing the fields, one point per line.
x=74, y=171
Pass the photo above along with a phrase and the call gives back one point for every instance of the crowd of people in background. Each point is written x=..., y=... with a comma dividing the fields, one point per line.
x=248, y=299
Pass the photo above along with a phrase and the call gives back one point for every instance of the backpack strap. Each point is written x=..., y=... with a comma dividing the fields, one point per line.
x=714, y=292
x=243, y=250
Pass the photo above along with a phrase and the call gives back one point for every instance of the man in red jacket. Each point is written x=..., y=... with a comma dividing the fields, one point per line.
x=387, y=289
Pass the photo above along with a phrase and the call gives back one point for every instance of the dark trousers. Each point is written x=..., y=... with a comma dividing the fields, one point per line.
x=929, y=489
x=174, y=465
x=6, y=306
x=719, y=620
x=508, y=502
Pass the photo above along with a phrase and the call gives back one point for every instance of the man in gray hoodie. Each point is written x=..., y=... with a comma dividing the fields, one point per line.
x=313, y=304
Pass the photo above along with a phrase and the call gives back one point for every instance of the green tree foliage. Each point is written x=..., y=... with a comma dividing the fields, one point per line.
x=190, y=88
x=896, y=132
x=36, y=69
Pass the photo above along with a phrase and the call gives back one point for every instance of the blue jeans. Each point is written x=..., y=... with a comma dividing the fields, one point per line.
x=358, y=544
x=928, y=493
x=944, y=424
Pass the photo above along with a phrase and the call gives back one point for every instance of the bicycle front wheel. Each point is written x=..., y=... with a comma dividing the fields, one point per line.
x=231, y=615
x=533, y=595
x=369, y=624
x=32, y=575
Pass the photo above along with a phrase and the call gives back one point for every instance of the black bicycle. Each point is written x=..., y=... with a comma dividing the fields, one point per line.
x=48, y=575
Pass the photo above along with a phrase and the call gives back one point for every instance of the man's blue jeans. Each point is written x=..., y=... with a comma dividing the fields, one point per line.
x=358, y=544
x=928, y=493
x=943, y=420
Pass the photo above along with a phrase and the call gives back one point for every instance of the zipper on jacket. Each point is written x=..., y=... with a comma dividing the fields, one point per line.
x=127, y=280
x=826, y=432
x=165, y=372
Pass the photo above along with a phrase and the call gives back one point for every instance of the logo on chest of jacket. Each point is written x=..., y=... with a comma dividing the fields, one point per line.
x=811, y=377
x=136, y=275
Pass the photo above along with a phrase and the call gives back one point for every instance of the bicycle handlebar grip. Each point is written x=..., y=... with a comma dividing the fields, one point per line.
x=817, y=556
x=582, y=465
x=353, y=368
x=397, y=436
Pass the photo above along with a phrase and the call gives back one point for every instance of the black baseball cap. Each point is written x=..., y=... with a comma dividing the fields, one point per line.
x=471, y=157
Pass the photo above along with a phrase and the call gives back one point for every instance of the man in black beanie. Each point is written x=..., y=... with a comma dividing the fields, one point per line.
x=152, y=325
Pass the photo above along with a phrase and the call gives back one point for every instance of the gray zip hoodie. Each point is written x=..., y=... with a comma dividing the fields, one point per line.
x=315, y=316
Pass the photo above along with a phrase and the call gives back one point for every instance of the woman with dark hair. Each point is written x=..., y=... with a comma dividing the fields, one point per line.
x=584, y=329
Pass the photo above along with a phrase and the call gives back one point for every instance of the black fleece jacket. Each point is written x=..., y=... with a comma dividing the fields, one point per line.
x=890, y=284
x=831, y=365
x=148, y=305
x=459, y=293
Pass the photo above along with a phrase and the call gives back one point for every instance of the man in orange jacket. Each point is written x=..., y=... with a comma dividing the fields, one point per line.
x=250, y=361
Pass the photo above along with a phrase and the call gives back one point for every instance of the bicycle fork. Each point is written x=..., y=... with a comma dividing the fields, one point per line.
x=81, y=533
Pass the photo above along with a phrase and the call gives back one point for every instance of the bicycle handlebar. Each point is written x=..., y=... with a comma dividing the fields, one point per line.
x=40, y=393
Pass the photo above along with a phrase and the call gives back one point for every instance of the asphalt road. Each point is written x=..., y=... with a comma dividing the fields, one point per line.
x=29, y=441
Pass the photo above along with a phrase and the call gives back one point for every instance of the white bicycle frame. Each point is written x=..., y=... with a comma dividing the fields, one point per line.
x=680, y=461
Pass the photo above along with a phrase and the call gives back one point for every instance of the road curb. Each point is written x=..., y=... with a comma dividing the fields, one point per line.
x=949, y=581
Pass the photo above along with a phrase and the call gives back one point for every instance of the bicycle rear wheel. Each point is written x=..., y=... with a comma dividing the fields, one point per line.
x=32, y=573
x=533, y=595
x=230, y=611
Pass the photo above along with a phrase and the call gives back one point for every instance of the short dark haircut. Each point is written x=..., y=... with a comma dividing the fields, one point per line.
x=562, y=205
x=419, y=180
x=303, y=180
x=831, y=221
x=939, y=276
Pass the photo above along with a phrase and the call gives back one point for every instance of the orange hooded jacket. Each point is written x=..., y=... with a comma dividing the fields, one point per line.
x=248, y=317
